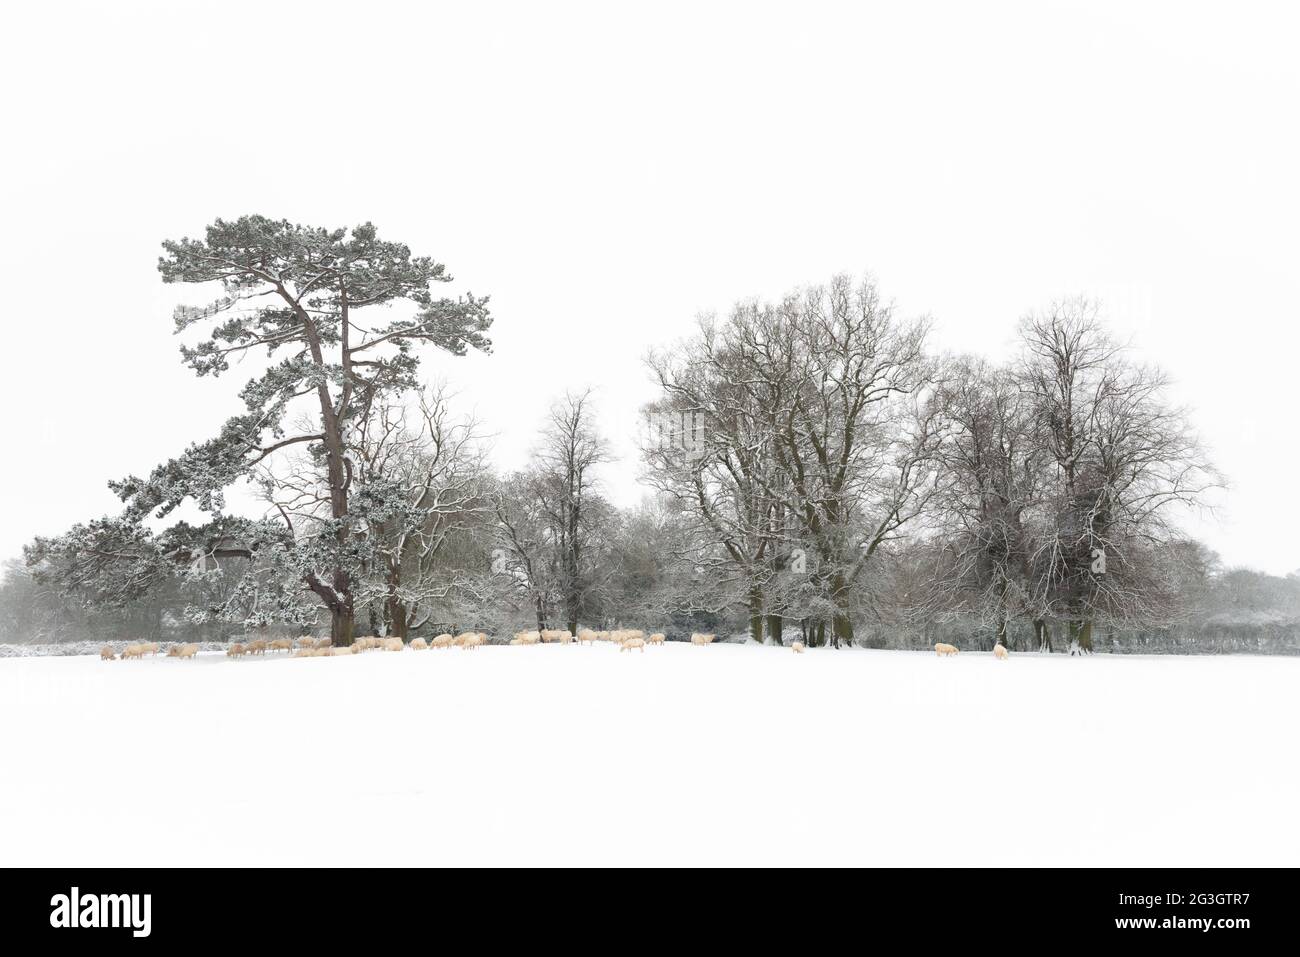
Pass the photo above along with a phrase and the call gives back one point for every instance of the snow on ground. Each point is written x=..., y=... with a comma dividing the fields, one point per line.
x=725, y=754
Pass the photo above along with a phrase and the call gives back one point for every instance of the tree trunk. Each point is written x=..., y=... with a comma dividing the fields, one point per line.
x=395, y=612
x=756, y=614
x=1043, y=634
x=341, y=627
x=842, y=630
x=774, y=628
x=1081, y=636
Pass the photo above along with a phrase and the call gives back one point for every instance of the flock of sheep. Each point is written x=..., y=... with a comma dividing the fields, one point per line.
x=629, y=640
x=149, y=648
x=999, y=651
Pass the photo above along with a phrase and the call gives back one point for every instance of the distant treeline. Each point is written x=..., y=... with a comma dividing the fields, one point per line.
x=1234, y=611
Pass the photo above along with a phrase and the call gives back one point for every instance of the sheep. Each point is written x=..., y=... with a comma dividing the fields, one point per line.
x=281, y=644
x=419, y=644
x=187, y=651
x=365, y=644
x=149, y=648
x=656, y=639
x=132, y=651
x=236, y=650
x=699, y=639
x=797, y=647
x=256, y=647
x=442, y=641
x=324, y=642
x=1000, y=652
x=473, y=640
x=106, y=653
x=393, y=644
x=630, y=643
x=344, y=650
x=306, y=642
x=173, y=650
x=942, y=650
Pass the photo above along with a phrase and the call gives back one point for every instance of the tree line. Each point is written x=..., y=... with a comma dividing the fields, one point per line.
x=814, y=465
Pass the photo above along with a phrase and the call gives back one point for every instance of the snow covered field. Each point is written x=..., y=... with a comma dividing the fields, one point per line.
x=726, y=754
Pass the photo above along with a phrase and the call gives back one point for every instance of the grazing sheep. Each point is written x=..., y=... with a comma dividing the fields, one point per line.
x=132, y=651
x=187, y=651
x=797, y=647
x=306, y=642
x=699, y=639
x=106, y=653
x=281, y=644
x=149, y=648
x=587, y=635
x=236, y=650
x=656, y=639
x=442, y=641
x=943, y=650
x=393, y=644
x=324, y=642
x=173, y=650
x=256, y=647
x=1000, y=652
x=630, y=643
x=419, y=644
x=473, y=640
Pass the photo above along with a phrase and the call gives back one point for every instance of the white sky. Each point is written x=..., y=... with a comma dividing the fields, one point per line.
x=605, y=174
